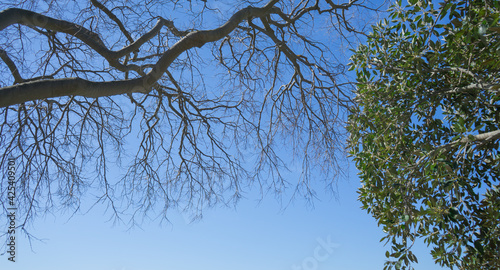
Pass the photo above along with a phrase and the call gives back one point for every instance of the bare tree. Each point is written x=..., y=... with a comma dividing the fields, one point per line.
x=215, y=97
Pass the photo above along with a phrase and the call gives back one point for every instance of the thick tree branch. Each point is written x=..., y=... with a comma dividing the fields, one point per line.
x=29, y=91
x=29, y=18
x=75, y=86
x=479, y=139
x=490, y=87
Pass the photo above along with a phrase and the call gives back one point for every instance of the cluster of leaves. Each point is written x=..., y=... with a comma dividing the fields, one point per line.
x=425, y=131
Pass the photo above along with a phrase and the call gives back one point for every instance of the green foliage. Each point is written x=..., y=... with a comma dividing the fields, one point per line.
x=425, y=132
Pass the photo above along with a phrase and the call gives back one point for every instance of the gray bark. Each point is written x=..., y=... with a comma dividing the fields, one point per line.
x=28, y=91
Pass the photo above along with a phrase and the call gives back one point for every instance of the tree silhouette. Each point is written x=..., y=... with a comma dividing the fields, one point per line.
x=214, y=97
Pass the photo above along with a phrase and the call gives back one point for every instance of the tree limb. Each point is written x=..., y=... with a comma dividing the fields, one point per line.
x=479, y=139
x=114, y=18
x=75, y=86
x=29, y=18
x=12, y=66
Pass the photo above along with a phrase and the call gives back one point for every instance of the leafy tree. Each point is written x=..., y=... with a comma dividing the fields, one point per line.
x=220, y=96
x=425, y=132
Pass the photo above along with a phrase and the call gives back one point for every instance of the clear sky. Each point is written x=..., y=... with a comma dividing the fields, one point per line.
x=336, y=234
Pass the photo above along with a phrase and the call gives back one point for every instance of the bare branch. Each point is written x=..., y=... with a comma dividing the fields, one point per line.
x=236, y=96
x=63, y=87
x=12, y=66
x=114, y=18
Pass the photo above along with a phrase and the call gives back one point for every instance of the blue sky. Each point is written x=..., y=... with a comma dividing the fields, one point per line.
x=336, y=234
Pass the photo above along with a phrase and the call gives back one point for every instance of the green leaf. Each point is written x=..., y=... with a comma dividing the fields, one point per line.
x=416, y=127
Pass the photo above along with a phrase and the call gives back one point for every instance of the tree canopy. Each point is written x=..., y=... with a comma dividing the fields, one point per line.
x=425, y=132
x=215, y=96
